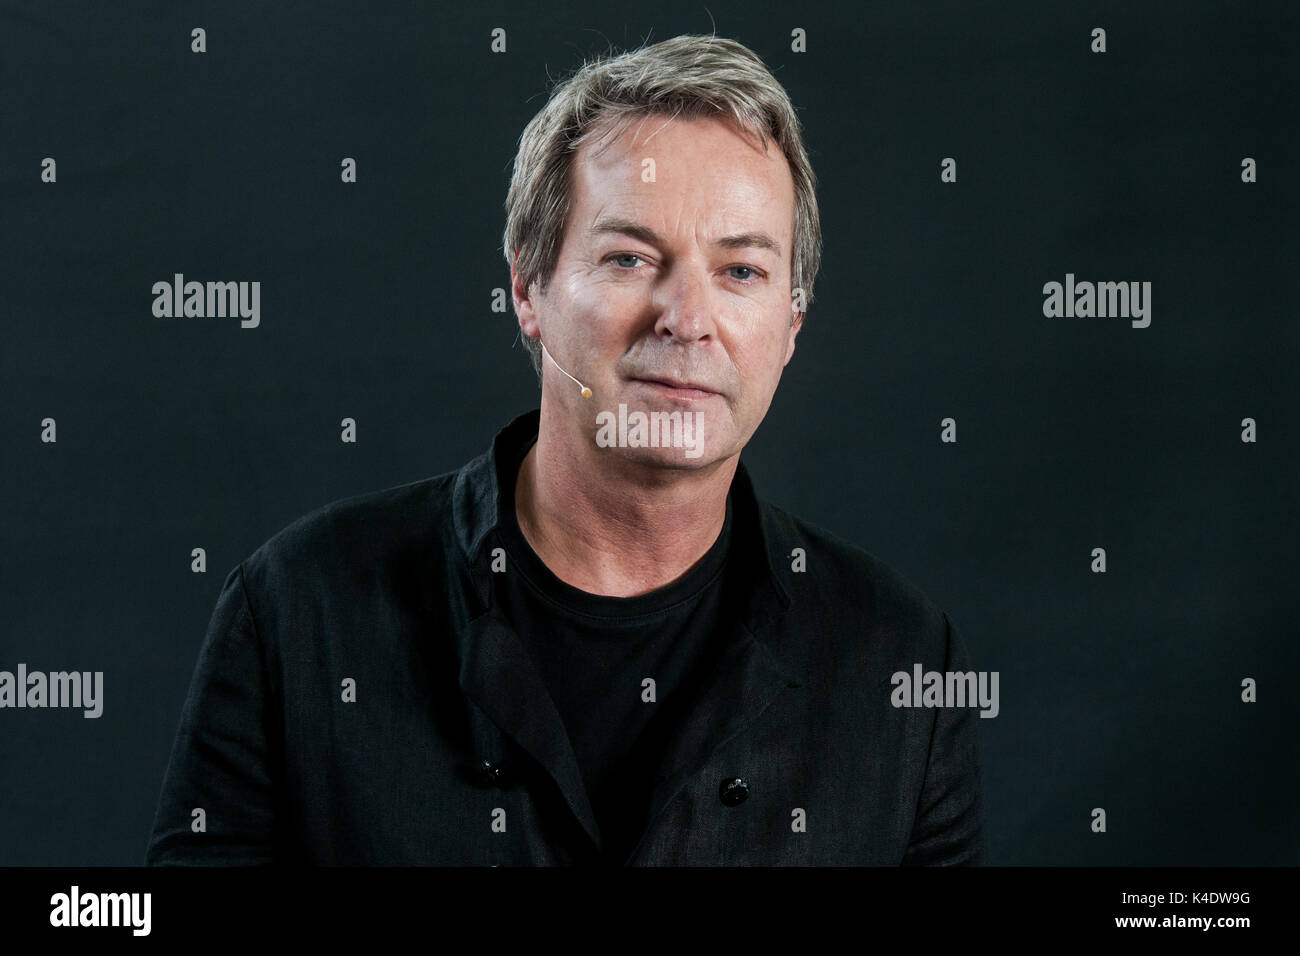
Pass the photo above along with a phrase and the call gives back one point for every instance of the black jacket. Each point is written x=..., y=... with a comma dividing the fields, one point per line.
x=451, y=752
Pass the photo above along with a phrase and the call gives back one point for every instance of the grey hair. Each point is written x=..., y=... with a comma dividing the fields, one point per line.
x=690, y=76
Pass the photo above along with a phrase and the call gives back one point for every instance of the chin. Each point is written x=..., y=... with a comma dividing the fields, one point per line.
x=657, y=434
x=675, y=459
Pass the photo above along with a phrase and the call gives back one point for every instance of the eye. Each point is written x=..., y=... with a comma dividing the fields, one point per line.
x=751, y=269
x=750, y=278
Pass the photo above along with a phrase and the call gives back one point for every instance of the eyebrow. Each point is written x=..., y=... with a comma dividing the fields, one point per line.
x=630, y=227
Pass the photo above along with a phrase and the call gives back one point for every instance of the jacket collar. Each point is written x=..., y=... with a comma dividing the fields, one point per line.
x=478, y=510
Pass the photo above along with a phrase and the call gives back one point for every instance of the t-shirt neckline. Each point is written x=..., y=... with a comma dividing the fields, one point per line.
x=565, y=597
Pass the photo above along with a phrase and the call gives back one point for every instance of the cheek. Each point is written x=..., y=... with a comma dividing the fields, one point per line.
x=761, y=354
x=610, y=313
x=581, y=304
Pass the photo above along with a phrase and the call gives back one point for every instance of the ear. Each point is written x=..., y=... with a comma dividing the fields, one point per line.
x=794, y=331
x=523, y=302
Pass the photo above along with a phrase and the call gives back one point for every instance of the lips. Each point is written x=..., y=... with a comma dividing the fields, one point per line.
x=676, y=383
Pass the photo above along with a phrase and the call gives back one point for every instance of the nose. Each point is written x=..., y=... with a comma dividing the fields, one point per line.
x=686, y=303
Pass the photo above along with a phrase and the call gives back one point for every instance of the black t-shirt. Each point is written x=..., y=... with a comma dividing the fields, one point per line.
x=594, y=651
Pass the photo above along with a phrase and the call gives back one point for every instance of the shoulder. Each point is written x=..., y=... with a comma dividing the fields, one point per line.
x=831, y=577
x=353, y=537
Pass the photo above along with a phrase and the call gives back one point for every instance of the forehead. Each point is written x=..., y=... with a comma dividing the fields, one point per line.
x=675, y=171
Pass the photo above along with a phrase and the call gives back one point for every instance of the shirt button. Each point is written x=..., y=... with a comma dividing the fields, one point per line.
x=733, y=791
x=489, y=774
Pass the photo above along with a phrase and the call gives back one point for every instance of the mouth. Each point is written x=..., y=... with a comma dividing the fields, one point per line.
x=673, y=388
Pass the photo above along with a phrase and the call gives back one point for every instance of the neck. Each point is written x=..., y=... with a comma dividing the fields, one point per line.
x=610, y=526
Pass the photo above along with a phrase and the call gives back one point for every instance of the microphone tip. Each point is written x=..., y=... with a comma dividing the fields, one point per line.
x=586, y=392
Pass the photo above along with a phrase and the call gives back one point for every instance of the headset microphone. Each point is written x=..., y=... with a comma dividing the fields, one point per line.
x=586, y=392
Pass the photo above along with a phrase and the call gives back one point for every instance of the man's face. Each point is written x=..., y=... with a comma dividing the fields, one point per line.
x=675, y=265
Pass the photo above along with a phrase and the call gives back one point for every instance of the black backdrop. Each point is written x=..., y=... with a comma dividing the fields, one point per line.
x=1119, y=690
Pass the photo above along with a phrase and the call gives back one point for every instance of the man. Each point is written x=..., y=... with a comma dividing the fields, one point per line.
x=593, y=644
